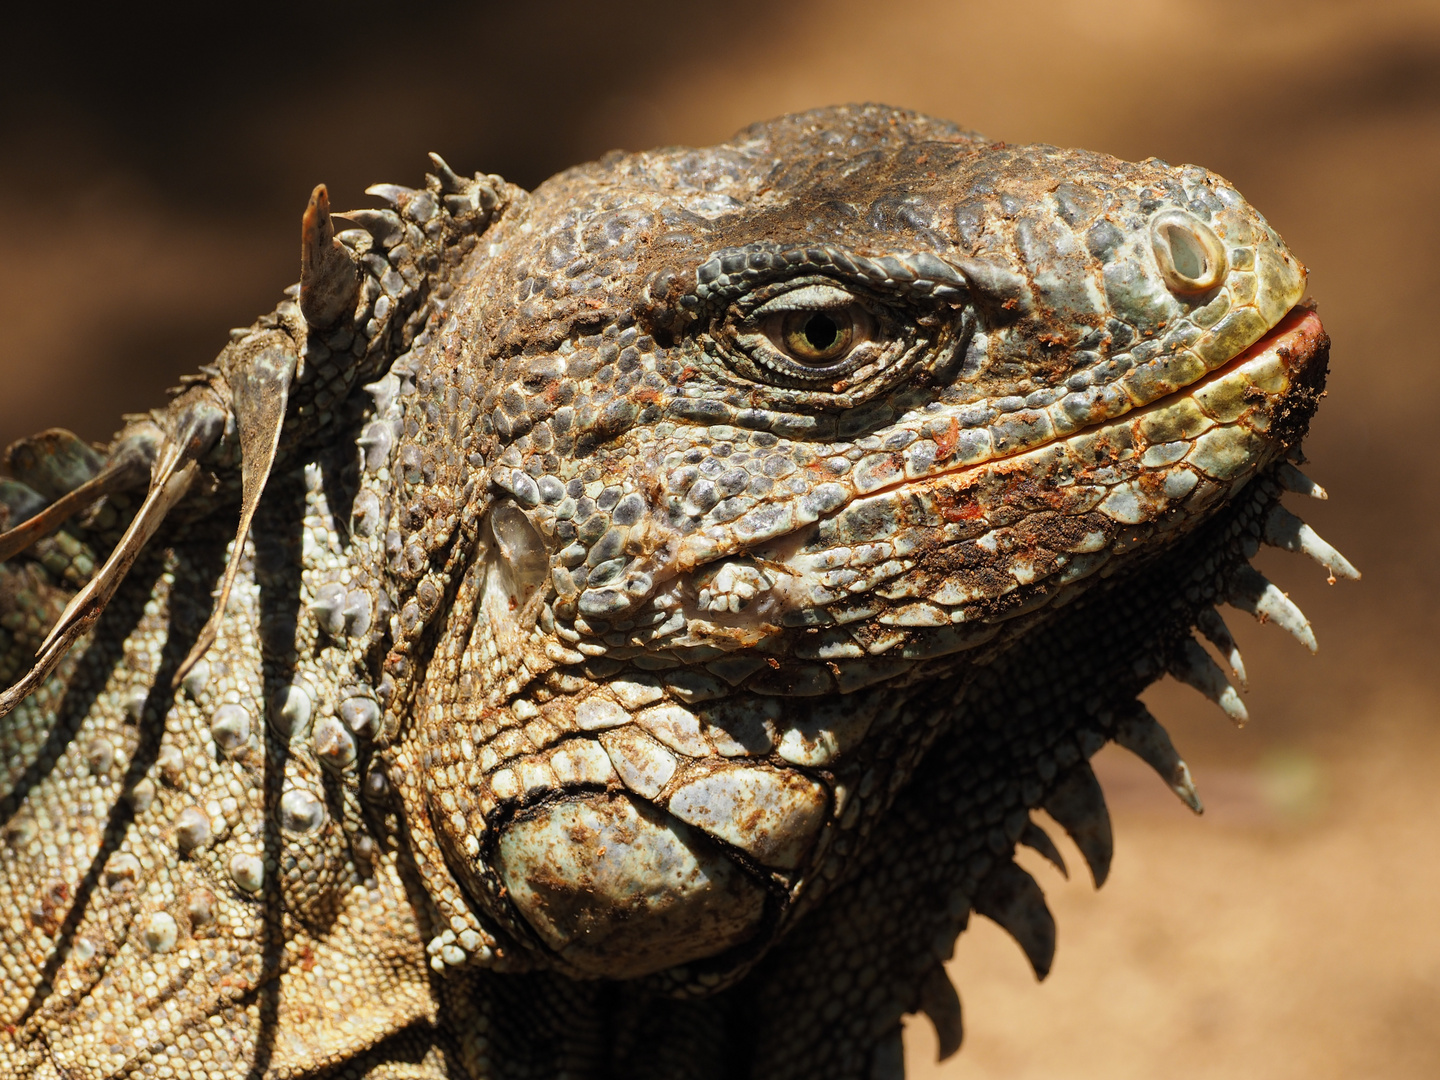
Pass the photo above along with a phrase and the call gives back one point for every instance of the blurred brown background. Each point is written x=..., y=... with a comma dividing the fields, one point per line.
x=152, y=175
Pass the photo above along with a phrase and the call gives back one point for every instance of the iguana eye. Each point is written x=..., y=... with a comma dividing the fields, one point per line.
x=832, y=340
x=817, y=331
x=818, y=337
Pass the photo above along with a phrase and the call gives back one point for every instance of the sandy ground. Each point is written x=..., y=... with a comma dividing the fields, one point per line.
x=151, y=181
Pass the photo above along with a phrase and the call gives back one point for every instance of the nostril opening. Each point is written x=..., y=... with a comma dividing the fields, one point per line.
x=1190, y=255
x=1187, y=255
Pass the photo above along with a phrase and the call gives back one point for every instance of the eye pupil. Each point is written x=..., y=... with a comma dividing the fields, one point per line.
x=818, y=341
x=821, y=332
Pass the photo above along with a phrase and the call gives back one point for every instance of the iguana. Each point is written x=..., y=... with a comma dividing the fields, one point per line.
x=658, y=603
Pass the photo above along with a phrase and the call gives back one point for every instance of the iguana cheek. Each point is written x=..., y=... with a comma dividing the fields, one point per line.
x=690, y=858
x=619, y=888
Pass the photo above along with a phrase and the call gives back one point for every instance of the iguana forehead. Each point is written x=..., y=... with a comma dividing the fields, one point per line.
x=593, y=234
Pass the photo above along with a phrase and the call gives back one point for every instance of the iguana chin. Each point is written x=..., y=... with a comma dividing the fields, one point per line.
x=658, y=603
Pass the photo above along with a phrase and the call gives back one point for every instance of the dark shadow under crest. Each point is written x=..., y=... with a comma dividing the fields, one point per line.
x=277, y=537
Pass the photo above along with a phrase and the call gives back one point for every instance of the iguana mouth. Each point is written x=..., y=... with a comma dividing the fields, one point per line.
x=1292, y=342
x=1282, y=352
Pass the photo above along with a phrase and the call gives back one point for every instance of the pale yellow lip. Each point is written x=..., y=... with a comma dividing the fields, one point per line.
x=1269, y=365
x=1296, y=338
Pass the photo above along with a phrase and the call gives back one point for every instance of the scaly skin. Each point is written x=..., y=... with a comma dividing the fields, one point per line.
x=649, y=671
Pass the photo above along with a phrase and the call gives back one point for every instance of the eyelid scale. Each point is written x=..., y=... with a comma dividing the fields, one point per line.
x=806, y=298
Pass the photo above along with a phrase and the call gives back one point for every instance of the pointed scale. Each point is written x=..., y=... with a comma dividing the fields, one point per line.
x=1192, y=666
x=260, y=392
x=1209, y=623
x=1292, y=479
x=940, y=1002
x=1143, y=736
x=1037, y=839
x=1284, y=530
x=329, y=278
x=1078, y=804
x=1252, y=592
x=1010, y=897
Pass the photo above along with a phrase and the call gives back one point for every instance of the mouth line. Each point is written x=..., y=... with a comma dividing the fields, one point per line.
x=1296, y=337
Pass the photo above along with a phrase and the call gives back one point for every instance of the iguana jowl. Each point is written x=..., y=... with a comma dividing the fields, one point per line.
x=659, y=601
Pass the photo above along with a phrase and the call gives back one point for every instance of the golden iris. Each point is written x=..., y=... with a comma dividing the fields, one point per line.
x=818, y=337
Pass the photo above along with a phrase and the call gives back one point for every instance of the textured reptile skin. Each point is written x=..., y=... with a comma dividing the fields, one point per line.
x=671, y=593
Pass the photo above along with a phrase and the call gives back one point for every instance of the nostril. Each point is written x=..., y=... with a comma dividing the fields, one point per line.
x=1190, y=255
x=1186, y=254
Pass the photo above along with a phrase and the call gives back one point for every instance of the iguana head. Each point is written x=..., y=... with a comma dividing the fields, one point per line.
x=760, y=438
x=692, y=573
